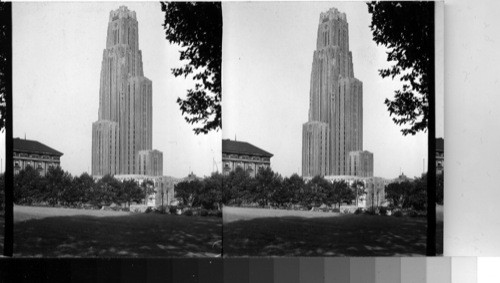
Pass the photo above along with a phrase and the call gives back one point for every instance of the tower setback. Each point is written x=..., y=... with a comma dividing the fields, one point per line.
x=335, y=125
x=124, y=125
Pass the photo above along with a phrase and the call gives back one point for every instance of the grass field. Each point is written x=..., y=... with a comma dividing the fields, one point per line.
x=62, y=232
x=258, y=232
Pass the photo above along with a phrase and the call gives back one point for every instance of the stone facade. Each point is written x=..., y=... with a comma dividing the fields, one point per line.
x=361, y=163
x=105, y=147
x=150, y=162
x=35, y=154
x=163, y=188
x=244, y=155
x=315, y=148
x=375, y=191
x=124, y=125
x=335, y=126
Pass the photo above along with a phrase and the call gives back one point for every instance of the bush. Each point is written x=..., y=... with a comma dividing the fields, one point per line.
x=188, y=212
x=148, y=210
x=172, y=210
x=358, y=210
x=215, y=213
x=336, y=210
x=382, y=210
x=370, y=211
x=415, y=213
x=204, y=212
x=398, y=213
x=161, y=209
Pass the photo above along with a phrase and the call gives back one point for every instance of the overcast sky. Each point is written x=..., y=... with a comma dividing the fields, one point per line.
x=57, y=54
x=267, y=58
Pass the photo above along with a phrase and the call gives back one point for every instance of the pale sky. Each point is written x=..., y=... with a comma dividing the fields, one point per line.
x=267, y=58
x=57, y=54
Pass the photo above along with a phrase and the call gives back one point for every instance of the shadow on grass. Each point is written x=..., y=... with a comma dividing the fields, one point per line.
x=346, y=235
x=134, y=235
x=2, y=232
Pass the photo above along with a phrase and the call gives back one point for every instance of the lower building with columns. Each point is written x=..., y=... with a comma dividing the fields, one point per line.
x=244, y=155
x=163, y=188
x=35, y=154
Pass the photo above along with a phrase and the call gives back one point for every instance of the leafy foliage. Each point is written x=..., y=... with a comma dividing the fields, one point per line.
x=197, y=28
x=206, y=193
x=29, y=187
x=407, y=30
x=58, y=187
x=4, y=64
x=270, y=189
x=267, y=185
x=408, y=194
x=187, y=192
x=211, y=195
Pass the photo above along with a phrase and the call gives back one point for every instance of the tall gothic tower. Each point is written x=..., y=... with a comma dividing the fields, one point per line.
x=124, y=125
x=335, y=126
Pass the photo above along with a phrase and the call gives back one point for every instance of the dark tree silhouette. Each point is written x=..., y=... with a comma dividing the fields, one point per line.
x=407, y=30
x=4, y=47
x=197, y=28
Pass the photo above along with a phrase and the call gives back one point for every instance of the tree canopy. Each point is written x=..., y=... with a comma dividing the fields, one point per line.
x=4, y=64
x=197, y=28
x=407, y=30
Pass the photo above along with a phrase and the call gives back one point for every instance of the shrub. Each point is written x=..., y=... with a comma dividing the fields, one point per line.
x=398, y=213
x=415, y=213
x=358, y=210
x=160, y=209
x=382, y=210
x=148, y=210
x=336, y=210
x=188, y=212
x=370, y=211
x=215, y=213
x=204, y=212
x=172, y=210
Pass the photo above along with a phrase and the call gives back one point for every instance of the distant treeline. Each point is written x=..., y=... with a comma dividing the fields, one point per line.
x=268, y=188
x=271, y=189
x=413, y=194
x=205, y=193
x=58, y=187
x=237, y=188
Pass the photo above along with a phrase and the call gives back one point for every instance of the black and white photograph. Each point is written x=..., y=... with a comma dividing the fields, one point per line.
x=326, y=124
x=117, y=131
x=249, y=141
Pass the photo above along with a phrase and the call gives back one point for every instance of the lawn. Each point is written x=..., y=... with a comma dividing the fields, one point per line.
x=258, y=232
x=60, y=232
